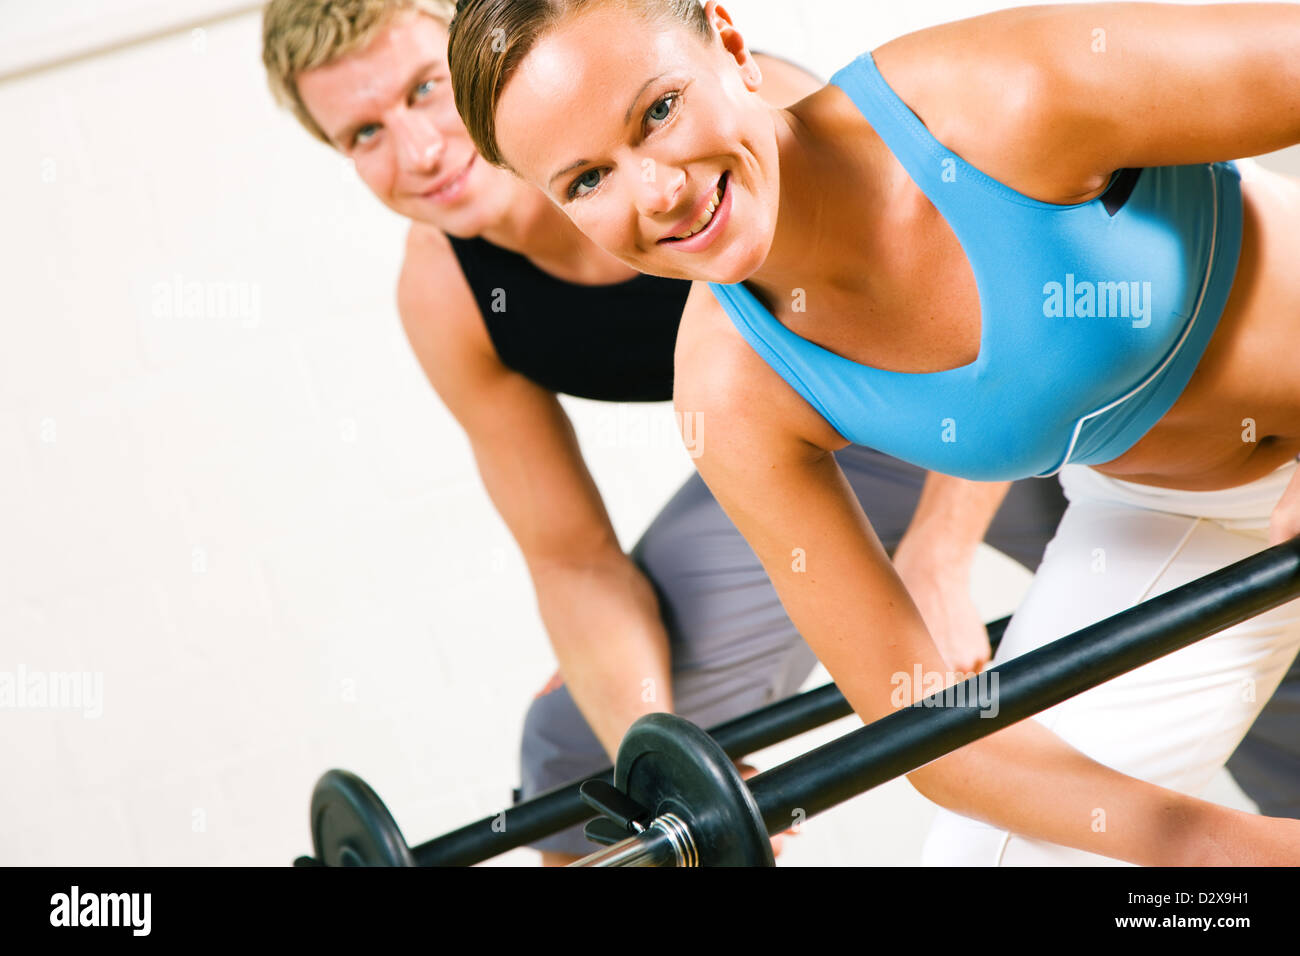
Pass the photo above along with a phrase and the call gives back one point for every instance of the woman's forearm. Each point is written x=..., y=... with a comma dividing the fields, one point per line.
x=1027, y=780
x=604, y=623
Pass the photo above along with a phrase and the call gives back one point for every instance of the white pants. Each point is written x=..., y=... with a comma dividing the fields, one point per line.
x=1176, y=720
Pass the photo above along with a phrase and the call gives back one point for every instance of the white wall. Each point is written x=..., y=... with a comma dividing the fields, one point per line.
x=50, y=32
x=253, y=521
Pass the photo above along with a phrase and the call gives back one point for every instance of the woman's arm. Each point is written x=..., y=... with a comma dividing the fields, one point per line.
x=765, y=458
x=1101, y=86
x=599, y=610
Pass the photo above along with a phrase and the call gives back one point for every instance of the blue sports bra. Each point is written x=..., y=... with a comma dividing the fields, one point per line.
x=1094, y=315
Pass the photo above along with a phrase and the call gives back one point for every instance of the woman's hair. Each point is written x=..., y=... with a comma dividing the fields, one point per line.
x=490, y=38
x=301, y=35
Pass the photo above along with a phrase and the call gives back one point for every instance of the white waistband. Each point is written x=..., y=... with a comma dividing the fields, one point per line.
x=1247, y=506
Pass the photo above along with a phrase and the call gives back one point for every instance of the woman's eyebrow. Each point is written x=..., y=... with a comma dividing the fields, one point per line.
x=567, y=169
x=627, y=118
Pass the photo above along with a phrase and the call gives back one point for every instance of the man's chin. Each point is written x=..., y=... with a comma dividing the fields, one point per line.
x=461, y=223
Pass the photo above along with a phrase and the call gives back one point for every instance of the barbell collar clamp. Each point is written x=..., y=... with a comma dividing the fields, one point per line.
x=666, y=842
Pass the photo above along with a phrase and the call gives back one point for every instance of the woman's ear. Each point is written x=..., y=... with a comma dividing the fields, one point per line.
x=734, y=44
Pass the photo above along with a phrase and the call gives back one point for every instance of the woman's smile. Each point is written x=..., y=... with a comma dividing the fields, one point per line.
x=706, y=225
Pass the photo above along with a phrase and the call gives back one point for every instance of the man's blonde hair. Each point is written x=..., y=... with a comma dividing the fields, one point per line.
x=301, y=35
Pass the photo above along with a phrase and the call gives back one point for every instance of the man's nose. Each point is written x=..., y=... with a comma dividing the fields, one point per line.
x=419, y=143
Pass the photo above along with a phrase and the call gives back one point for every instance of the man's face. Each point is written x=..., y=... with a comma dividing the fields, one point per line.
x=389, y=108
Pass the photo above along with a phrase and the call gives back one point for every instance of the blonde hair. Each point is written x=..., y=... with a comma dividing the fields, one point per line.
x=301, y=35
x=490, y=38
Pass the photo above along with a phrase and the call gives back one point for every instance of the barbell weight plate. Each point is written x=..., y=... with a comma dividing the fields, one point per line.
x=350, y=826
x=668, y=765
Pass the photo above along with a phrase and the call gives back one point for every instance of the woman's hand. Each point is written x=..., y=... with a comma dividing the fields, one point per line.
x=940, y=588
x=1285, y=523
x=935, y=558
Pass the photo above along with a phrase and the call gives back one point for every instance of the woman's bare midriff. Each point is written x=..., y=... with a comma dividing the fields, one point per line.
x=1239, y=417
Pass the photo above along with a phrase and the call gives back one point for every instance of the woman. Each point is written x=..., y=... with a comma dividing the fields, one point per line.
x=975, y=250
x=504, y=302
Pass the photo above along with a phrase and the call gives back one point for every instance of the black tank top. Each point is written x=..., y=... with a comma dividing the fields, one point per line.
x=613, y=343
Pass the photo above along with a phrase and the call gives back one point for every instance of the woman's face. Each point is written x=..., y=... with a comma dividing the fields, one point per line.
x=636, y=128
x=389, y=108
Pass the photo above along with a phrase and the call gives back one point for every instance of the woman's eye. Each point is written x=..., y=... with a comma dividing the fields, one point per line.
x=364, y=134
x=661, y=112
x=590, y=179
x=664, y=108
x=425, y=87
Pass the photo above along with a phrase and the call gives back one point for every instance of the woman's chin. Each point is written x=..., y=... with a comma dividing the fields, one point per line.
x=732, y=265
x=733, y=274
x=727, y=266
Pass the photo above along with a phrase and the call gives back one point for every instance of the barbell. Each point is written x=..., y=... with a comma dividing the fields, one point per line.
x=351, y=826
x=678, y=801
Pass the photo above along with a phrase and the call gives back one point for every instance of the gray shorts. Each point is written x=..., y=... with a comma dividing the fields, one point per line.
x=734, y=649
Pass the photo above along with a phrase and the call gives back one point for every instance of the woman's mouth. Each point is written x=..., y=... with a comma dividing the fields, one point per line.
x=710, y=223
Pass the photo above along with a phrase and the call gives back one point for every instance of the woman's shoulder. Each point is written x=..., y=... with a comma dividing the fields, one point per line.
x=719, y=377
x=987, y=101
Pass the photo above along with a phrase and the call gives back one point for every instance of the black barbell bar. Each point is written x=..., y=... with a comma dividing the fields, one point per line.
x=914, y=736
x=342, y=793
x=563, y=806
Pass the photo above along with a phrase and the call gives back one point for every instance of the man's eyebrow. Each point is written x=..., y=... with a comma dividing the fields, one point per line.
x=345, y=136
x=627, y=118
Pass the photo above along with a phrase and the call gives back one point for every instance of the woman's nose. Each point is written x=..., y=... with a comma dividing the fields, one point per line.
x=659, y=188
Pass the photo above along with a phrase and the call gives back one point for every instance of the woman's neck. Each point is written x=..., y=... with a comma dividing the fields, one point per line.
x=829, y=205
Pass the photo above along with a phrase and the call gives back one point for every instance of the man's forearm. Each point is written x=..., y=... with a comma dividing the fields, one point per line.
x=604, y=623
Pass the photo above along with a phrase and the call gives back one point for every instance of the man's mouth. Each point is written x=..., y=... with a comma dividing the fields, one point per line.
x=706, y=216
x=451, y=188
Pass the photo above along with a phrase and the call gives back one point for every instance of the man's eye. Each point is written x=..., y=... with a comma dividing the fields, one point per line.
x=590, y=179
